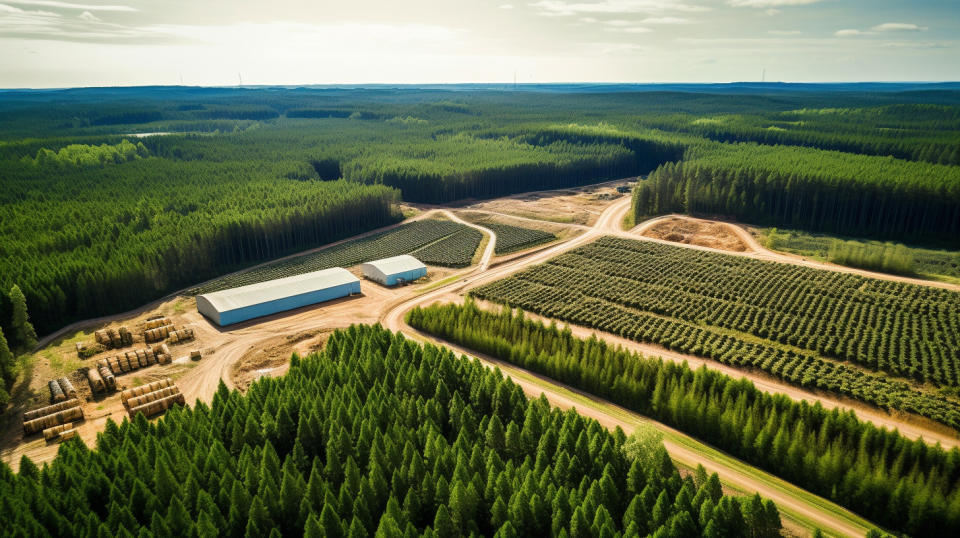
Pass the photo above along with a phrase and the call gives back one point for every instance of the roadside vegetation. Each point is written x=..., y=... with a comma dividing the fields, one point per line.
x=446, y=447
x=902, y=484
x=885, y=257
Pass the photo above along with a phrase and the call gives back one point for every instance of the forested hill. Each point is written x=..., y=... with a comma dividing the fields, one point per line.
x=96, y=219
x=374, y=435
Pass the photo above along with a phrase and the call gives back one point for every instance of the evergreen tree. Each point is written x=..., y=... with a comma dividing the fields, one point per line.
x=23, y=333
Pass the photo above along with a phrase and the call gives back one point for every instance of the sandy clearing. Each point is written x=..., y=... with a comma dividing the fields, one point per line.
x=758, y=251
x=718, y=235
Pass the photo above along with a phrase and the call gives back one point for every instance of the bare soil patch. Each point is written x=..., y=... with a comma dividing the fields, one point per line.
x=697, y=232
x=581, y=205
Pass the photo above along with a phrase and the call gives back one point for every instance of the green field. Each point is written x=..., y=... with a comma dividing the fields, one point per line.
x=937, y=264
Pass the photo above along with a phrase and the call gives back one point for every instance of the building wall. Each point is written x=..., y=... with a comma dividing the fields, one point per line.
x=407, y=276
x=286, y=303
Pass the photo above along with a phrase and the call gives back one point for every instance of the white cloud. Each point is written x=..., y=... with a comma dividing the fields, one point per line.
x=89, y=17
x=665, y=20
x=617, y=22
x=784, y=32
x=847, y=32
x=588, y=20
x=506, y=6
x=898, y=27
x=563, y=8
x=770, y=3
x=771, y=12
x=70, y=5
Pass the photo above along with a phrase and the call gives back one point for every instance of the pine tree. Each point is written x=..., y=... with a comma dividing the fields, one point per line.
x=7, y=367
x=23, y=332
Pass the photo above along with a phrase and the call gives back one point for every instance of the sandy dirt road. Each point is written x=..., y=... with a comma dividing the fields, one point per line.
x=758, y=251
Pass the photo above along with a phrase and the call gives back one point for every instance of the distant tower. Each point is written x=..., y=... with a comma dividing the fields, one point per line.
x=240, y=79
x=763, y=75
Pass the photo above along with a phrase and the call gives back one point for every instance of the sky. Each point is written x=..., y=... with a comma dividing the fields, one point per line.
x=62, y=43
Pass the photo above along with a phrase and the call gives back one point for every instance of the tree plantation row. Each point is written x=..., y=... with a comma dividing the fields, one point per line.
x=412, y=237
x=903, y=329
x=905, y=485
x=374, y=435
x=700, y=303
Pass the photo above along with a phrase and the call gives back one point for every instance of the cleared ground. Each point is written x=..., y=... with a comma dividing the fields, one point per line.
x=687, y=231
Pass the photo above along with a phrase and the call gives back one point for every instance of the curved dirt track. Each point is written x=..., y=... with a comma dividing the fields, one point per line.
x=760, y=252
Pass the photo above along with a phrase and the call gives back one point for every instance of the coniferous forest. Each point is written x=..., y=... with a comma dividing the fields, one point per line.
x=906, y=485
x=96, y=218
x=375, y=435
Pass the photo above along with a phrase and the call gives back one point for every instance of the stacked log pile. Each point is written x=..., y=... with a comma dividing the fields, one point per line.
x=153, y=398
x=58, y=414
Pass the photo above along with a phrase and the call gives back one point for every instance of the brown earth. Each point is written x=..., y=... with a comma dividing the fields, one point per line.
x=718, y=235
x=581, y=206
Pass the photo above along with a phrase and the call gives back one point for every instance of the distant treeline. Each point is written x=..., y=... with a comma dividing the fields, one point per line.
x=809, y=189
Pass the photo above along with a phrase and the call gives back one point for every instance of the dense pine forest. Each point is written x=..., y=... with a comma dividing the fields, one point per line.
x=376, y=434
x=96, y=219
x=906, y=485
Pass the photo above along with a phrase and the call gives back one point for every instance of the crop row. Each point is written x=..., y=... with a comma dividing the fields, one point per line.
x=603, y=299
x=514, y=238
x=902, y=329
x=455, y=250
x=405, y=239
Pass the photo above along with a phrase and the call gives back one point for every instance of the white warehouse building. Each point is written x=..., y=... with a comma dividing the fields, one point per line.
x=247, y=302
x=396, y=270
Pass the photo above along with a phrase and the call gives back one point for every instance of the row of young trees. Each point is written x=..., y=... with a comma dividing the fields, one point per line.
x=809, y=189
x=899, y=328
x=375, y=435
x=670, y=296
x=906, y=485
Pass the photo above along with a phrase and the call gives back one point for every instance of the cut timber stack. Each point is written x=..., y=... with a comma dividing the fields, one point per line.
x=54, y=419
x=162, y=353
x=107, y=377
x=112, y=339
x=56, y=393
x=67, y=387
x=155, y=322
x=143, y=389
x=97, y=383
x=137, y=401
x=157, y=334
x=152, y=399
x=50, y=409
x=195, y=355
x=54, y=432
x=158, y=406
x=182, y=335
x=131, y=360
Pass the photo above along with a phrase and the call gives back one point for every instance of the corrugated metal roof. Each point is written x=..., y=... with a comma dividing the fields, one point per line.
x=397, y=264
x=272, y=290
